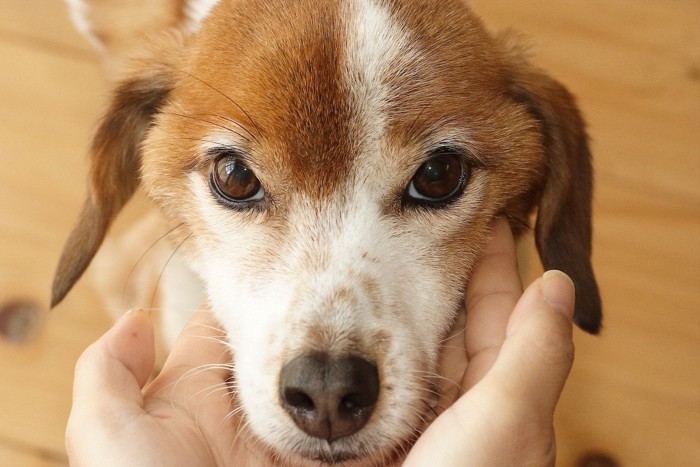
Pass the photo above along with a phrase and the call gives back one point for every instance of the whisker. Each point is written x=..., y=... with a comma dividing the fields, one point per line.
x=192, y=372
x=234, y=122
x=211, y=390
x=206, y=367
x=459, y=347
x=229, y=99
x=209, y=326
x=232, y=413
x=403, y=448
x=160, y=276
x=138, y=261
x=430, y=407
x=454, y=334
x=202, y=120
x=184, y=138
x=243, y=425
x=219, y=341
x=411, y=128
x=431, y=377
x=522, y=226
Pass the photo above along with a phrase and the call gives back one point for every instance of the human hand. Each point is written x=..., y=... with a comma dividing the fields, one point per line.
x=183, y=418
x=519, y=350
x=519, y=357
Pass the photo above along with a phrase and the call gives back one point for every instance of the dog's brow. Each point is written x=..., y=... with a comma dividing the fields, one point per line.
x=228, y=98
x=216, y=145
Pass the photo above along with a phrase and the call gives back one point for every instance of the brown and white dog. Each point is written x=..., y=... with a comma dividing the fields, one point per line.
x=330, y=169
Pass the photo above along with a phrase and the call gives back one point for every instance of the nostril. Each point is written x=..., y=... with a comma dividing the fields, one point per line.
x=350, y=402
x=299, y=400
x=362, y=387
x=353, y=404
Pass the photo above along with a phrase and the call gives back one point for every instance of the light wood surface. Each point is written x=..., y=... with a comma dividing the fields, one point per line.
x=634, y=64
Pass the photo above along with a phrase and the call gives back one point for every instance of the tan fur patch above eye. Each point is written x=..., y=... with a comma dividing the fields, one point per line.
x=281, y=70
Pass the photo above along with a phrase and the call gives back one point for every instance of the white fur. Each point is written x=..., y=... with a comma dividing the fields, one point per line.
x=196, y=11
x=269, y=290
x=375, y=42
x=79, y=15
x=181, y=294
x=342, y=265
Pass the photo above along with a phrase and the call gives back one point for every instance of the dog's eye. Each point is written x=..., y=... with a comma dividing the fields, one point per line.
x=439, y=179
x=234, y=181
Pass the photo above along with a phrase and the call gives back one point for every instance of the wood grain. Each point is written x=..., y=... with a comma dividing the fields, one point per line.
x=635, y=66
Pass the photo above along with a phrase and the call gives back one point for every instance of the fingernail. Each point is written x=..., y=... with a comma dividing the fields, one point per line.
x=558, y=290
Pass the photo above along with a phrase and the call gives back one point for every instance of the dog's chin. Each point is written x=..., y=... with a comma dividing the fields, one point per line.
x=348, y=453
x=335, y=456
x=327, y=453
x=358, y=450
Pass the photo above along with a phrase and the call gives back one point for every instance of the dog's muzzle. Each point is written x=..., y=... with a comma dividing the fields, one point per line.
x=329, y=398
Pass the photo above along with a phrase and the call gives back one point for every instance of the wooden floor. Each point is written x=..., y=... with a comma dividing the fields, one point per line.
x=635, y=65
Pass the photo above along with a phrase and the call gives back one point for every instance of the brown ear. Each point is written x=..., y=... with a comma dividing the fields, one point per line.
x=563, y=227
x=114, y=173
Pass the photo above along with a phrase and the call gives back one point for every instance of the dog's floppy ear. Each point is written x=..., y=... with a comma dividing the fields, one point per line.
x=114, y=172
x=119, y=28
x=563, y=226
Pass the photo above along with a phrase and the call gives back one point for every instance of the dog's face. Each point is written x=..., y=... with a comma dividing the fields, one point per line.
x=332, y=169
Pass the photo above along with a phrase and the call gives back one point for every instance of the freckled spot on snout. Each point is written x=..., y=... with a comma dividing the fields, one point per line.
x=372, y=259
x=380, y=342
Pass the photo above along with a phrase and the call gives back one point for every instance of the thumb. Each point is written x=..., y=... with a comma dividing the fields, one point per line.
x=538, y=351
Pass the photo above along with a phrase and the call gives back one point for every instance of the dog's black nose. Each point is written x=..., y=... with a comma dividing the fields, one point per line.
x=329, y=398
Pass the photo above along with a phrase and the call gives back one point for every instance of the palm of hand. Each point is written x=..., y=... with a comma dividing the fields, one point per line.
x=500, y=414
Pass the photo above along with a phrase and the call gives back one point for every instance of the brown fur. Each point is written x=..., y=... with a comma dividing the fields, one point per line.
x=334, y=259
x=525, y=127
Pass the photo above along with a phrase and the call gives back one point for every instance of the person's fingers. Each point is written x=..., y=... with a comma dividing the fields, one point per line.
x=538, y=352
x=494, y=289
x=118, y=364
x=131, y=342
x=201, y=342
x=198, y=367
x=506, y=418
x=109, y=376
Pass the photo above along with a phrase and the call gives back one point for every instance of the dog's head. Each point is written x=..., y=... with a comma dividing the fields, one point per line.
x=333, y=168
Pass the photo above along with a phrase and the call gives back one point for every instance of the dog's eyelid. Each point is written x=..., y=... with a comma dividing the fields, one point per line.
x=212, y=154
x=468, y=154
x=228, y=151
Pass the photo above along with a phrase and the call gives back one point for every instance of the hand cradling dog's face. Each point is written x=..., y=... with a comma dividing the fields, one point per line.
x=332, y=169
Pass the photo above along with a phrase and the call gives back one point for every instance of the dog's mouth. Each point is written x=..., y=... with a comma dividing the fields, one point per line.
x=352, y=452
x=333, y=452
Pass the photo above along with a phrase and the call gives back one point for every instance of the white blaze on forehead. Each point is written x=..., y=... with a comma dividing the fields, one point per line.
x=376, y=40
x=377, y=44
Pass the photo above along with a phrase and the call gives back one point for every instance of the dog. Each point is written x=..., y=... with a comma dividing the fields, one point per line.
x=330, y=169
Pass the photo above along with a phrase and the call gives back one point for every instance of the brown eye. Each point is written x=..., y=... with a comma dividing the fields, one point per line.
x=439, y=178
x=234, y=181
